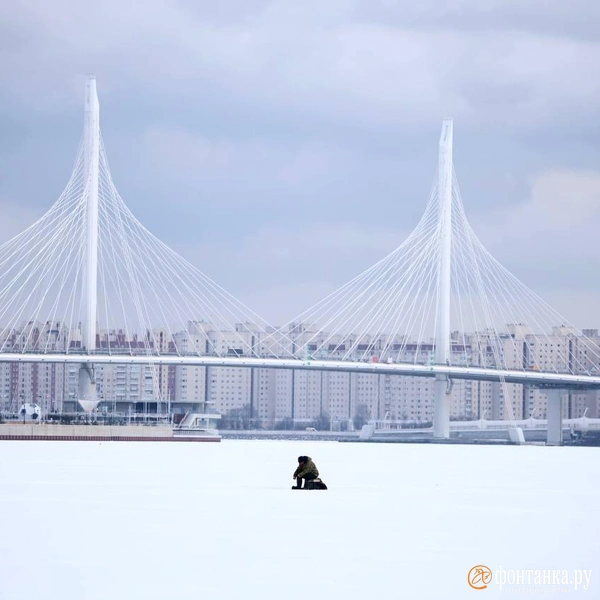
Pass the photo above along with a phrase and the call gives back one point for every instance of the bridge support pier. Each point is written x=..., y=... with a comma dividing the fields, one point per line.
x=554, y=413
x=441, y=408
x=86, y=388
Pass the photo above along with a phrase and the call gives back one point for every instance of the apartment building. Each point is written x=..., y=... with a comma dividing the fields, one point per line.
x=275, y=395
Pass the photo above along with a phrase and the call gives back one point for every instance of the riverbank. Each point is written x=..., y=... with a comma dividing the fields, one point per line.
x=100, y=433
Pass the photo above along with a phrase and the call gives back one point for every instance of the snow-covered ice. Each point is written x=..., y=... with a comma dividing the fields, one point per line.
x=84, y=520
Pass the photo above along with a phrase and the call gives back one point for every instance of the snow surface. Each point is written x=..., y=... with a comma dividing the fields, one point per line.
x=86, y=520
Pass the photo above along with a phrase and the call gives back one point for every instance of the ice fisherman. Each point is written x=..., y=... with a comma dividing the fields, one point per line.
x=306, y=470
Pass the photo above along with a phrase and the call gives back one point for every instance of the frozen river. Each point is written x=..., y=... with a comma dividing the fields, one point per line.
x=86, y=520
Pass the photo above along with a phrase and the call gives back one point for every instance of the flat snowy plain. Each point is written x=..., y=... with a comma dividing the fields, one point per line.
x=88, y=520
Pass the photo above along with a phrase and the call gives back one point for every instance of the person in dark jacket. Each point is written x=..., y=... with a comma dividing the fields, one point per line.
x=306, y=470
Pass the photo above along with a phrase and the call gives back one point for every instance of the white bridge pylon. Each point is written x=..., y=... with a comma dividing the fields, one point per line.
x=441, y=411
x=87, y=284
x=89, y=278
x=91, y=176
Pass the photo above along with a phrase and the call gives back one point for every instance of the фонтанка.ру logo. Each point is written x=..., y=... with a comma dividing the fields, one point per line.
x=479, y=576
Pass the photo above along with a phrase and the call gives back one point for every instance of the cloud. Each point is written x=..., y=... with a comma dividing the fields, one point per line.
x=326, y=255
x=324, y=59
x=283, y=146
x=181, y=153
x=552, y=19
x=566, y=198
x=549, y=241
x=285, y=271
x=15, y=218
x=561, y=202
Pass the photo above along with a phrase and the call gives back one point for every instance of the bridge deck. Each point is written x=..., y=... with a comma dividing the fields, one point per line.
x=558, y=380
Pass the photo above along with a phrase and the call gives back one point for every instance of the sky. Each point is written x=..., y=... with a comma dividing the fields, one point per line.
x=284, y=147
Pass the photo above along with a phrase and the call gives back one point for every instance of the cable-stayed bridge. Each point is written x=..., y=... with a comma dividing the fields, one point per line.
x=88, y=284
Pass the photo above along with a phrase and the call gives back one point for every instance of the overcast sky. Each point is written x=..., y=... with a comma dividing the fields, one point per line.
x=284, y=147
